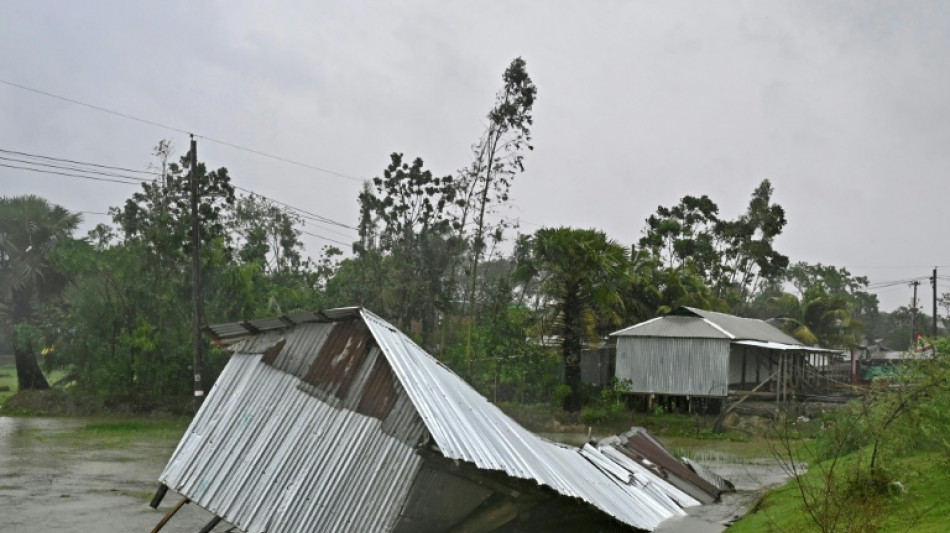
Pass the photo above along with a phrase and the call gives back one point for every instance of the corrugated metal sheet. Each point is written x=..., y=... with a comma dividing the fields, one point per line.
x=467, y=427
x=318, y=425
x=674, y=326
x=663, y=365
x=746, y=328
x=640, y=446
x=690, y=322
x=709, y=476
x=269, y=452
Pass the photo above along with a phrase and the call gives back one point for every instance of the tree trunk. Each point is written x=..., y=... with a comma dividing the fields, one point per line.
x=28, y=373
x=571, y=347
x=572, y=377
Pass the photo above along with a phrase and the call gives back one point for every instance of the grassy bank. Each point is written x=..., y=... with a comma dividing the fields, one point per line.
x=914, y=498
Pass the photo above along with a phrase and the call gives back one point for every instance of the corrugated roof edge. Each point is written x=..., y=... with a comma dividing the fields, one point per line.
x=231, y=331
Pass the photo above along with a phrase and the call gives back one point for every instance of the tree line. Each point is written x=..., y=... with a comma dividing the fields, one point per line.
x=505, y=310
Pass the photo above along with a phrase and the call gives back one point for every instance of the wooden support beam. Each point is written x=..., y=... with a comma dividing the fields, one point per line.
x=168, y=516
x=745, y=353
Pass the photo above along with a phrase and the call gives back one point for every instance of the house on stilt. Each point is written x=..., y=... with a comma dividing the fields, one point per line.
x=694, y=354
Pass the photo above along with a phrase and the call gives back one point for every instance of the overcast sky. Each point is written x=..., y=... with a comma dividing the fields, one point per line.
x=844, y=106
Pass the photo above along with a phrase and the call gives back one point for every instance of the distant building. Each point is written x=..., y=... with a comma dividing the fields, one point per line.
x=698, y=353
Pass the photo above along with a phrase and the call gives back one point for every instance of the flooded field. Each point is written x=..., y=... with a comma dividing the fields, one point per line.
x=52, y=480
x=72, y=474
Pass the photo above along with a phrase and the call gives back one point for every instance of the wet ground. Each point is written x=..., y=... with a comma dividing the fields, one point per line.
x=49, y=484
x=751, y=478
x=52, y=481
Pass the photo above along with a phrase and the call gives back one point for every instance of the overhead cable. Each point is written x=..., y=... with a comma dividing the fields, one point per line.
x=183, y=131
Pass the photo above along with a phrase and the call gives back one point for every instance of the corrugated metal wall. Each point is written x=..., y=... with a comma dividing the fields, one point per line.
x=317, y=435
x=679, y=367
x=597, y=366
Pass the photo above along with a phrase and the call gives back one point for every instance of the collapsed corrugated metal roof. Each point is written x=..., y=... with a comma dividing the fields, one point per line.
x=340, y=420
x=640, y=446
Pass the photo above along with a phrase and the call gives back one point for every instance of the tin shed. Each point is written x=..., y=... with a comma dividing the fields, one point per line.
x=336, y=421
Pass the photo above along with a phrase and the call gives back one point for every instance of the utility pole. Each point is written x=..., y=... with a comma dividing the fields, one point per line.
x=195, y=278
x=933, y=281
x=913, y=314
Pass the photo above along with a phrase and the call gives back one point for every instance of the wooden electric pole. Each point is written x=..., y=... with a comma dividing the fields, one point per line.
x=933, y=281
x=913, y=315
x=195, y=278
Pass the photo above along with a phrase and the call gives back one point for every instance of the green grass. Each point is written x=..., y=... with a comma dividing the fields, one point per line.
x=882, y=507
x=116, y=433
x=8, y=384
x=682, y=434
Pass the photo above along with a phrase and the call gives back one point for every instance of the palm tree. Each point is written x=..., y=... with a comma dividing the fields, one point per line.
x=818, y=318
x=30, y=229
x=583, y=273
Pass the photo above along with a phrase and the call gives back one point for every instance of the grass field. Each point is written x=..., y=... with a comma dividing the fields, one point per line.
x=8, y=385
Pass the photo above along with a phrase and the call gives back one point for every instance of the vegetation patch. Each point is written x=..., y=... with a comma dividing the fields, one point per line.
x=913, y=500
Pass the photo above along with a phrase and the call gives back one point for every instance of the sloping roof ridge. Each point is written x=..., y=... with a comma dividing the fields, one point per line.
x=366, y=314
x=229, y=331
x=705, y=313
x=635, y=326
x=517, y=452
x=720, y=328
x=714, y=318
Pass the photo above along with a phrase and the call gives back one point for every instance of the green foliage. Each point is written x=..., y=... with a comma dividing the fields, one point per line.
x=583, y=274
x=873, y=465
x=610, y=403
x=833, y=308
x=406, y=249
x=504, y=363
x=31, y=230
x=732, y=257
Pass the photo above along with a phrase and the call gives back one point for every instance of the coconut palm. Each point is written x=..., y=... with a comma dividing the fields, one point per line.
x=30, y=229
x=583, y=274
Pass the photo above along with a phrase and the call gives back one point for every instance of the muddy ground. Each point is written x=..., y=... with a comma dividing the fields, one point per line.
x=52, y=481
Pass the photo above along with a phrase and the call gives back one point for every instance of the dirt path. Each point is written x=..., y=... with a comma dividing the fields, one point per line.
x=48, y=487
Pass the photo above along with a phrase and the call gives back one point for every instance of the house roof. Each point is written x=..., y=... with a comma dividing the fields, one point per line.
x=690, y=322
x=306, y=404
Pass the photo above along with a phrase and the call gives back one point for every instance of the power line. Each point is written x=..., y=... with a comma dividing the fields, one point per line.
x=70, y=175
x=73, y=172
x=73, y=168
x=884, y=284
x=183, y=131
x=325, y=238
x=314, y=216
x=51, y=158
